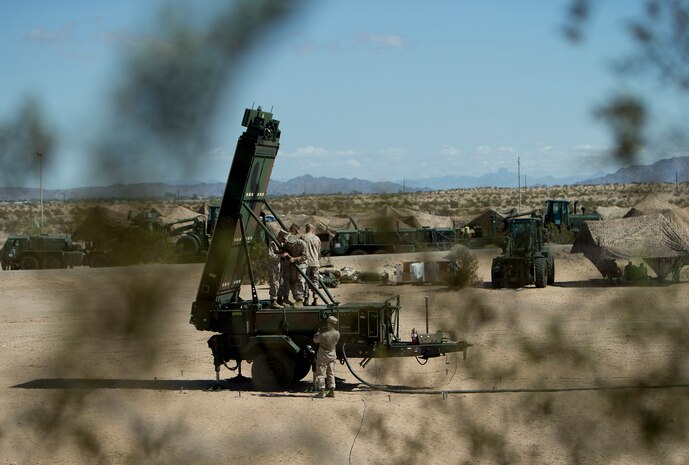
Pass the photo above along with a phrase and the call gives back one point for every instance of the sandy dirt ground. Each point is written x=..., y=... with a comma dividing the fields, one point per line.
x=102, y=366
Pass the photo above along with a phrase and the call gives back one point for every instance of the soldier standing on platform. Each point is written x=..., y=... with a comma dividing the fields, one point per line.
x=313, y=252
x=292, y=279
x=274, y=269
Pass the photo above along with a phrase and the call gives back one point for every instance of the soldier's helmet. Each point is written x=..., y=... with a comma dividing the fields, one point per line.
x=332, y=319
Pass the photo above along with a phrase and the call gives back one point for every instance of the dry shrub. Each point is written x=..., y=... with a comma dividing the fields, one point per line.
x=463, y=268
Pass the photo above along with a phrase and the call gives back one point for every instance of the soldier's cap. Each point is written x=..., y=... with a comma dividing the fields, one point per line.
x=294, y=227
x=332, y=319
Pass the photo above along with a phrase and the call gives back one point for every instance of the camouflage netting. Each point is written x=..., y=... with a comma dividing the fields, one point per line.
x=653, y=238
x=323, y=224
x=106, y=223
x=611, y=213
x=176, y=214
x=658, y=203
x=103, y=223
x=391, y=219
x=386, y=219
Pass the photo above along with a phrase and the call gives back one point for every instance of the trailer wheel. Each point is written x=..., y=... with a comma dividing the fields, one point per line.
x=29, y=262
x=51, y=263
x=357, y=252
x=272, y=371
x=541, y=272
x=187, y=246
x=551, y=270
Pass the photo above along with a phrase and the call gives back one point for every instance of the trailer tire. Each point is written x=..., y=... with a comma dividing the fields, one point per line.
x=29, y=262
x=187, y=246
x=551, y=270
x=272, y=371
x=541, y=270
x=357, y=252
x=51, y=263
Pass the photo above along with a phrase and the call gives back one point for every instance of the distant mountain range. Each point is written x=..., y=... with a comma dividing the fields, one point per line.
x=501, y=178
x=666, y=170
x=661, y=171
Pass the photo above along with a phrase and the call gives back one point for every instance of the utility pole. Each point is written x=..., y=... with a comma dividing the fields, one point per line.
x=40, y=183
x=519, y=183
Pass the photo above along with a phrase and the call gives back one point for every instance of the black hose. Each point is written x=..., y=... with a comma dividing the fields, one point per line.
x=444, y=392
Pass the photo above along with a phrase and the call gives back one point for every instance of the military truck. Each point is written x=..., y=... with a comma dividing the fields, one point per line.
x=195, y=236
x=366, y=241
x=557, y=213
x=40, y=252
x=525, y=257
x=278, y=342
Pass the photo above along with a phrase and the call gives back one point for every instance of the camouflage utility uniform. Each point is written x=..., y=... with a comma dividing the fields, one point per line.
x=291, y=278
x=273, y=269
x=313, y=252
x=325, y=358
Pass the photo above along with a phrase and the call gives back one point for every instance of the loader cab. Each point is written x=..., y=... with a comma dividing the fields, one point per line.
x=557, y=212
x=525, y=237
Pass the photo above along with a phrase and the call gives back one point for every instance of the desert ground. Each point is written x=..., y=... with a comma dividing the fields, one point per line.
x=102, y=366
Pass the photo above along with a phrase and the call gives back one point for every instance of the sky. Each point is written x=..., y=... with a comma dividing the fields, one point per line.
x=378, y=90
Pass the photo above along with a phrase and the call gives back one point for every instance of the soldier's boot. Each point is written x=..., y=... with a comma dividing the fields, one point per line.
x=274, y=304
x=279, y=301
x=298, y=303
x=331, y=393
x=321, y=394
x=287, y=302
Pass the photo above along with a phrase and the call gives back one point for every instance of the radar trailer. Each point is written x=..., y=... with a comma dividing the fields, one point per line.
x=278, y=342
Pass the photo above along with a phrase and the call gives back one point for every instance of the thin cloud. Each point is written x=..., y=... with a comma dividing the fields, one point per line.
x=394, y=152
x=39, y=35
x=488, y=150
x=311, y=151
x=449, y=151
x=217, y=153
x=386, y=40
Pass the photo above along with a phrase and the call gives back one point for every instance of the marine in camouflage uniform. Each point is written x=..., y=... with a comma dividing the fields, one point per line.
x=292, y=280
x=326, y=357
x=274, y=269
x=313, y=252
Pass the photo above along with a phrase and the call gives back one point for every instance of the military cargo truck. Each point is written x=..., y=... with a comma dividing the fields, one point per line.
x=278, y=342
x=362, y=242
x=40, y=252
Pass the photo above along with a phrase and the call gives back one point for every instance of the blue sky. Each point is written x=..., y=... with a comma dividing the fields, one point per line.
x=379, y=90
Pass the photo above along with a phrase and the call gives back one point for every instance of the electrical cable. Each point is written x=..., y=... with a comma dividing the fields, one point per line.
x=361, y=424
x=445, y=392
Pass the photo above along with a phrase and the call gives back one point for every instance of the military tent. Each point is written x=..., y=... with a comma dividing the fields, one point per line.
x=490, y=224
x=653, y=238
